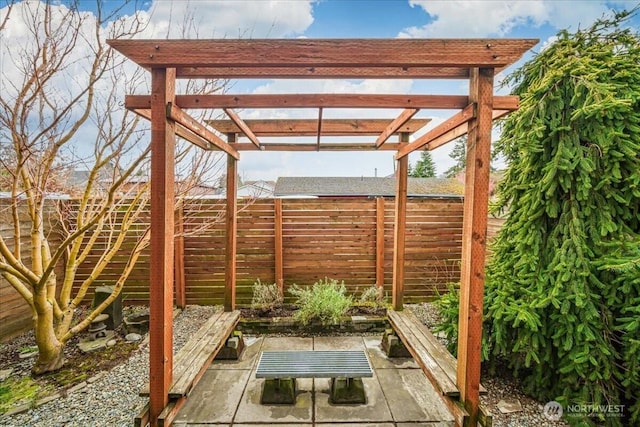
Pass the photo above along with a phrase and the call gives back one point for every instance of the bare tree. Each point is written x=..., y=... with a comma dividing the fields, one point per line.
x=60, y=110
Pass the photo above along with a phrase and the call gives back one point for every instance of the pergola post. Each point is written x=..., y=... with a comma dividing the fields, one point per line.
x=474, y=232
x=232, y=231
x=400, y=226
x=161, y=241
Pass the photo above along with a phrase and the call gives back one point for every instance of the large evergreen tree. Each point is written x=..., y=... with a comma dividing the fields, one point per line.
x=459, y=154
x=563, y=285
x=424, y=168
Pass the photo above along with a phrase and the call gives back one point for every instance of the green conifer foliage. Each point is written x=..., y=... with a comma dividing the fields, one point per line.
x=563, y=284
x=459, y=154
x=424, y=168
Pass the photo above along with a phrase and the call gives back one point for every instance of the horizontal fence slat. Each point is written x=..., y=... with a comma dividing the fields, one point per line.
x=325, y=237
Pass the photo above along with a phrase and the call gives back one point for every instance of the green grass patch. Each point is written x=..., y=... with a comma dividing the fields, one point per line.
x=19, y=391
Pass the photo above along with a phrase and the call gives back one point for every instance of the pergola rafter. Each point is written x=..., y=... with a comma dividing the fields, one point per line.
x=396, y=124
x=192, y=125
x=246, y=130
x=476, y=60
x=319, y=128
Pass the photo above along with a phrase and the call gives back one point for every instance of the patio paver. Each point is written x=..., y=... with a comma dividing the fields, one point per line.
x=399, y=395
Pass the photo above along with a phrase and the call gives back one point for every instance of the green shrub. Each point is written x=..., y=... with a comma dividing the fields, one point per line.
x=562, y=284
x=266, y=297
x=448, y=305
x=372, y=296
x=325, y=301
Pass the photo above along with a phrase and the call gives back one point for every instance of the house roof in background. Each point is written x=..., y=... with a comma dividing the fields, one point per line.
x=366, y=186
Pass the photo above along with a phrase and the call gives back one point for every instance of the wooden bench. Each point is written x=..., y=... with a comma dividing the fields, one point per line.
x=346, y=365
x=192, y=360
x=435, y=360
x=432, y=356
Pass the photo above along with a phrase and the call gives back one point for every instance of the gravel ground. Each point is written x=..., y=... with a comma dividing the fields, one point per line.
x=111, y=398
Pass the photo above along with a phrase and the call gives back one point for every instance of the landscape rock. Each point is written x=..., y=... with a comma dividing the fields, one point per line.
x=5, y=373
x=133, y=337
x=28, y=355
x=509, y=406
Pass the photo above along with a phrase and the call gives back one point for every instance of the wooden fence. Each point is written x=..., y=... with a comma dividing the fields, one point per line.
x=329, y=237
x=301, y=241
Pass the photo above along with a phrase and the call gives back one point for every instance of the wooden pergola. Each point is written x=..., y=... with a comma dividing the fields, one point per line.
x=167, y=60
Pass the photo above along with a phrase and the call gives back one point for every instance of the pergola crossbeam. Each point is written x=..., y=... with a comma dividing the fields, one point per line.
x=192, y=125
x=309, y=127
x=315, y=100
x=322, y=72
x=325, y=146
x=331, y=53
x=453, y=122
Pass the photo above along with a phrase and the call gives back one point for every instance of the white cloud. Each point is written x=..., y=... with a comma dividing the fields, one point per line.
x=399, y=86
x=472, y=18
x=228, y=19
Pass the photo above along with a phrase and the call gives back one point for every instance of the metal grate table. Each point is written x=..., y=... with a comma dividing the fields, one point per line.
x=346, y=368
x=314, y=364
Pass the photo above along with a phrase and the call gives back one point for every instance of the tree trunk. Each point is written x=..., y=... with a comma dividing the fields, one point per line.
x=50, y=348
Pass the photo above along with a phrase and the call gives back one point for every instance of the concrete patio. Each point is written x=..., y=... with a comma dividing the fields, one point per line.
x=399, y=394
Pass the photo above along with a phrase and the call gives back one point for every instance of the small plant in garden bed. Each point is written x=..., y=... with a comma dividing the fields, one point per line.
x=372, y=296
x=266, y=297
x=326, y=301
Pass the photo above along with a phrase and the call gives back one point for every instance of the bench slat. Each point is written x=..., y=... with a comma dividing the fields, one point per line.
x=196, y=351
x=445, y=359
x=198, y=359
x=193, y=343
x=314, y=364
x=421, y=351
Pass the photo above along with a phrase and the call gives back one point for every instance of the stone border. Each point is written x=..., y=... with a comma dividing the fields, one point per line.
x=287, y=325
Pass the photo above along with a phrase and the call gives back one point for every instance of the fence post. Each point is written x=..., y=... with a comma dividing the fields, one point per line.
x=380, y=243
x=180, y=280
x=279, y=268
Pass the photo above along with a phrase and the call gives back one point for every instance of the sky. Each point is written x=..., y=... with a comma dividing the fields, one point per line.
x=540, y=19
